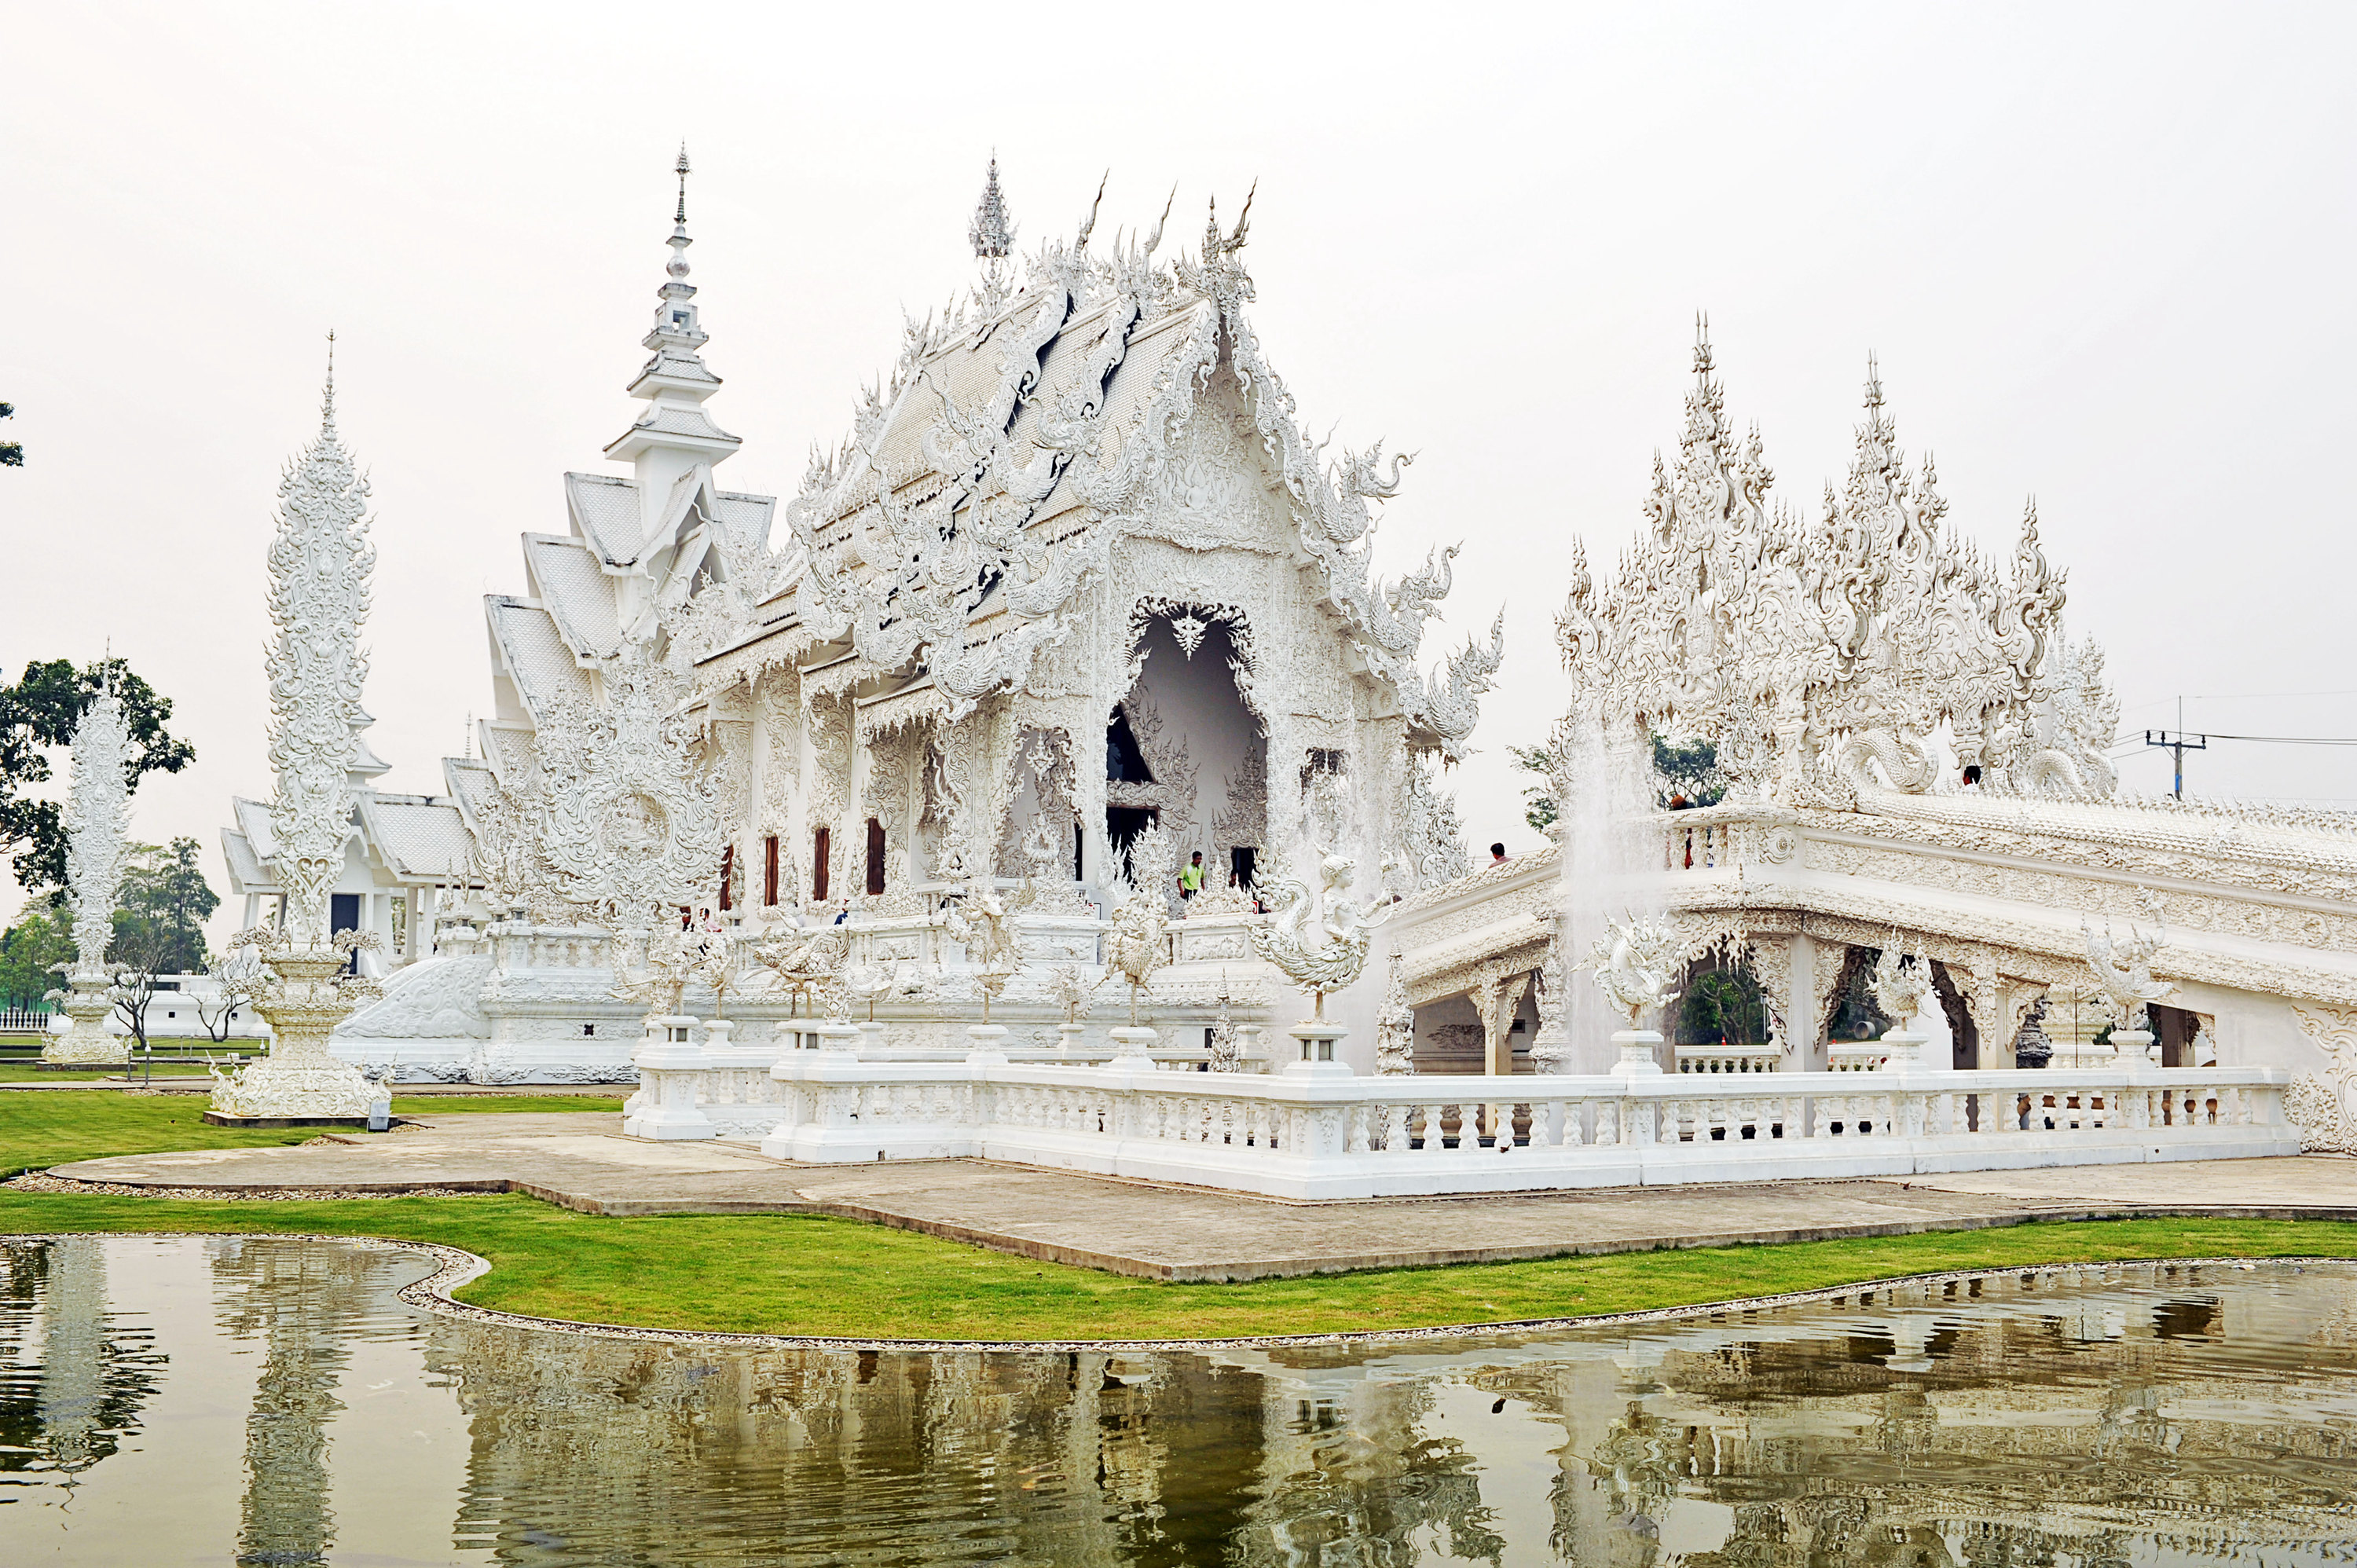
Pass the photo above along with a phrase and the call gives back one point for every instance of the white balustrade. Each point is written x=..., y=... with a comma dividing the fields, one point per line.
x=1308, y=1136
x=1730, y=1058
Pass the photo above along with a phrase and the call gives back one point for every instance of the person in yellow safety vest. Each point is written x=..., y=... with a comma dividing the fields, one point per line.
x=1190, y=877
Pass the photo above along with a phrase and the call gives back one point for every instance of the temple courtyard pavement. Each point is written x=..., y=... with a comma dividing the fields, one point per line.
x=583, y=1161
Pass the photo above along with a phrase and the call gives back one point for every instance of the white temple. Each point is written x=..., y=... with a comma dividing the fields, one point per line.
x=1075, y=572
x=1077, y=601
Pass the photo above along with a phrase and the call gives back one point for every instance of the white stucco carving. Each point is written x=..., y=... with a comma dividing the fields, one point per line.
x=96, y=815
x=319, y=568
x=1635, y=962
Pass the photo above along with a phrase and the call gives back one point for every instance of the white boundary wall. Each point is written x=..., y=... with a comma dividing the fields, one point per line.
x=1327, y=1134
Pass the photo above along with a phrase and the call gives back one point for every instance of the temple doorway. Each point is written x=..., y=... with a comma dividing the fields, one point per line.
x=1182, y=749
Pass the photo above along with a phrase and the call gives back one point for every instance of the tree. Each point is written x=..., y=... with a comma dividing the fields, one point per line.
x=130, y=986
x=165, y=904
x=1539, y=807
x=1687, y=772
x=1723, y=1006
x=12, y=455
x=40, y=712
x=42, y=937
x=235, y=980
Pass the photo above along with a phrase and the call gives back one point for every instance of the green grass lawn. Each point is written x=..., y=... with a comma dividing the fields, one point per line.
x=802, y=1274
x=25, y=1072
x=38, y=1131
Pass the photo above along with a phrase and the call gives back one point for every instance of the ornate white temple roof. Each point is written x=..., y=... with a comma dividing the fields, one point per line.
x=605, y=512
x=577, y=596
x=533, y=652
x=410, y=839
x=419, y=837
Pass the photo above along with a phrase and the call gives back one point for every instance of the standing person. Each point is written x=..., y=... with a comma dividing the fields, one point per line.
x=1190, y=877
x=1497, y=855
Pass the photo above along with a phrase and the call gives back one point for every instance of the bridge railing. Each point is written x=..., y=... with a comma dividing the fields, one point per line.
x=1287, y=1136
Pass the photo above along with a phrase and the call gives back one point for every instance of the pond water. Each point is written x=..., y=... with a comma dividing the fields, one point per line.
x=269, y=1401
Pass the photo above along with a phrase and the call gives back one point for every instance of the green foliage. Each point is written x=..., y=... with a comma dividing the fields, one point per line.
x=165, y=904
x=1690, y=772
x=40, y=712
x=1539, y=807
x=12, y=455
x=42, y=937
x=1856, y=1017
x=1722, y=1007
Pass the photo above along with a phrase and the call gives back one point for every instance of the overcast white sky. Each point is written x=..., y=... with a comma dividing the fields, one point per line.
x=2104, y=253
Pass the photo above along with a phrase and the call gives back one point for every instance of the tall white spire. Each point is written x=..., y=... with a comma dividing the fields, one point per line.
x=320, y=561
x=97, y=810
x=675, y=435
x=992, y=232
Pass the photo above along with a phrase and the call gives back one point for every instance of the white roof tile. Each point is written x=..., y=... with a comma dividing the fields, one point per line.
x=534, y=654
x=579, y=595
x=417, y=839
x=606, y=511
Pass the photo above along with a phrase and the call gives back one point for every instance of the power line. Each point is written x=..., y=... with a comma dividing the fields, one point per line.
x=2290, y=739
x=2127, y=747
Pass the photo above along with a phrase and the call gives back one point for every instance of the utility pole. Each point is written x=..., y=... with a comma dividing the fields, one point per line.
x=2180, y=743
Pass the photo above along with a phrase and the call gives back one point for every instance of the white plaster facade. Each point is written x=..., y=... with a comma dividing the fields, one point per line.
x=1079, y=504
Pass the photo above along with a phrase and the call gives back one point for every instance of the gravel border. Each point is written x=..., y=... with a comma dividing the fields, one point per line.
x=458, y=1268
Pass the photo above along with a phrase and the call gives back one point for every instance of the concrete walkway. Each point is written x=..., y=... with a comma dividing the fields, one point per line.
x=581, y=1160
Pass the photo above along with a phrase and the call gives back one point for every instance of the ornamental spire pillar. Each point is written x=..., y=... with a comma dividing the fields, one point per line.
x=97, y=810
x=320, y=561
x=674, y=435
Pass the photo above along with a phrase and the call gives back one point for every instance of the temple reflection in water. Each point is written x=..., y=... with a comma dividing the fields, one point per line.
x=2144, y=1413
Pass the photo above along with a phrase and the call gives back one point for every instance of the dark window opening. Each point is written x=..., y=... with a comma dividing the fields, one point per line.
x=1123, y=824
x=818, y=864
x=1243, y=859
x=874, y=856
x=588, y=1031
x=344, y=915
x=1077, y=874
x=728, y=878
x=1125, y=763
x=770, y=869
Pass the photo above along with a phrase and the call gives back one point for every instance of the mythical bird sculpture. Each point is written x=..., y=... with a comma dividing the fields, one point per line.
x=1634, y=960
x=1318, y=943
x=660, y=970
x=982, y=917
x=803, y=959
x=1072, y=989
x=1137, y=944
x=866, y=982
